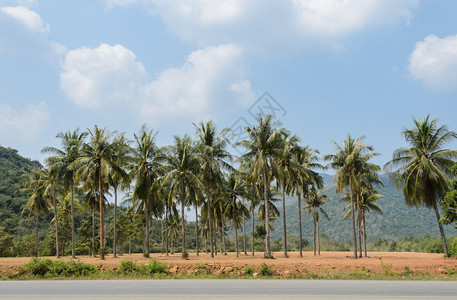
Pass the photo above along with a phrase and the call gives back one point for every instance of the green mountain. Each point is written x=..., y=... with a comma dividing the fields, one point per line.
x=398, y=220
x=12, y=167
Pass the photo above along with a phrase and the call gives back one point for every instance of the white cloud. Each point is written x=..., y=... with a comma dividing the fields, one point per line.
x=27, y=17
x=22, y=125
x=434, y=62
x=269, y=25
x=104, y=76
x=211, y=80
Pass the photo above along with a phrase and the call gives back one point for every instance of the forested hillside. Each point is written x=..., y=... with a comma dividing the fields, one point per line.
x=12, y=167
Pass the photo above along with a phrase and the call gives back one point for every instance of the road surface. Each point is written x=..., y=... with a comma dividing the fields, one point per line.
x=227, y=289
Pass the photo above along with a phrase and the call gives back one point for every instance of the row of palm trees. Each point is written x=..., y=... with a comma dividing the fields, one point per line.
x=203, y=174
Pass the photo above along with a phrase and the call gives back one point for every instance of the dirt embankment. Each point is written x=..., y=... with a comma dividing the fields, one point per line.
x=332, y=262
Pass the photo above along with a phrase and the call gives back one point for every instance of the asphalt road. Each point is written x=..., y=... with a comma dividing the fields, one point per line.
x=227, y=289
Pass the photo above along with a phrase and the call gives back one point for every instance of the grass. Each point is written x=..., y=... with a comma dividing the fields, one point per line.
x=38, y=269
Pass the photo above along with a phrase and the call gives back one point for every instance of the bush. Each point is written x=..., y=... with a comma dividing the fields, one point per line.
x=266, y=270
x=434, y=246
x=128, y=267
x=131, y=267
x=56, y=268
x=248, y=270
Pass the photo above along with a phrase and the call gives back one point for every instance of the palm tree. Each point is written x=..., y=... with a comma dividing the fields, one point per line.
x=235, y=209
x=289, y=170
x=182, y=167
x=146, y=158
x=263, y=147
x=307, y=158
x=61, y=163
x=350, y=161
x=99, y=157
x=37, y=204
x=119, y=180
x=211, y=148
x=314, y=203
x=425, y=167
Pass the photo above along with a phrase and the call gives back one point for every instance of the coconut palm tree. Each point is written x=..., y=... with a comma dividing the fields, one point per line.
x=289, y=171
x=307, y=178
x=314, y=203
x=61, y=163
x=235, y=209
x=211, y=148
x=263, y=146
x=146, y=159
x=350, y=160
x=37, y=204
x=98, y=157
x=367, y=203
x=181, y=175
x=424, y=167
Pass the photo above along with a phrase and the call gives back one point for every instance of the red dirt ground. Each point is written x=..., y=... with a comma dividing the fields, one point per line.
x=332, y=262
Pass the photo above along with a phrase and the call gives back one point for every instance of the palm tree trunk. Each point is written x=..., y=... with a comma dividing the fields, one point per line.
x=353, y=220
x=236, y=240
x=36, y=235
x=93, y=230
x=102, y=233
x=443, y=237
x=267, y=216
x=57, y=222
x=284, y=217
x=146, y=232
x=206, y=242
x=196, y=228
x=166, y=228
x=318, y=237
x=172, y=246
x=223, y=237
x=161, y=235
x=115, y=222
x=359, y=225
x=244, y=235
x=364, y=233
x=183, y=228
x=73, y=254
x=220, y=239
x=300, y=244
x=314, y=234
x=210, y=224
x=253, y=229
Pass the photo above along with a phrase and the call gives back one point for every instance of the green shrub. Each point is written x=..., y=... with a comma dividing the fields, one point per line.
x=154, y=267
x=248, y=270
x=266, y=270
x=128, y=267
x=57, y=268
x=434, y=246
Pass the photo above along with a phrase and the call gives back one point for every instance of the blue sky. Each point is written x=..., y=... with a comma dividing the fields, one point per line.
x=364, y=67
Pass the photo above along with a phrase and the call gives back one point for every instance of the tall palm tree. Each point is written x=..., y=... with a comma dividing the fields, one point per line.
x=119, y=180
x=235, y=209
x=182, y=168
x=98, y=157
x=367, y=203
x=307, y=178
x=211, y=147
x=263, y=146
x=314, y=203
x=146, y=159
x=350, y=160
x=424, y=167
x=289, y=170
x=61, y=163
x=37, y=204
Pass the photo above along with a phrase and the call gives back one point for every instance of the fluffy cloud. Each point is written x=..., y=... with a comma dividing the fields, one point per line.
x=23, y=125
x=269, y=24
x=110, y=77
x=26, y=17
x=434, y=62
x=105, y=76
